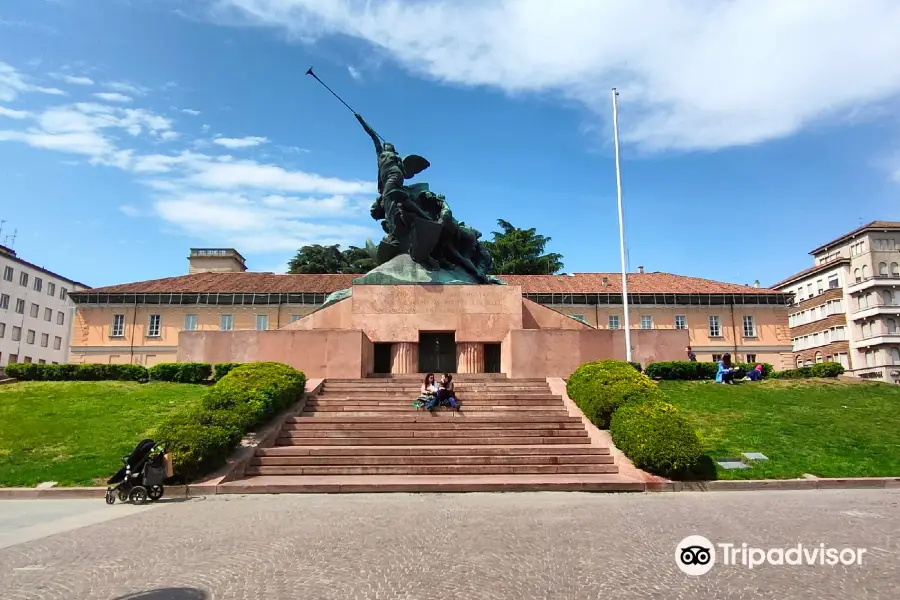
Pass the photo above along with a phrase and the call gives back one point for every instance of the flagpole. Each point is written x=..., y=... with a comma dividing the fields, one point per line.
x=615, y=95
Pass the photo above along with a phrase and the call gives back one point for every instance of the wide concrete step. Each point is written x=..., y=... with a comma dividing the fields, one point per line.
x=416, y=394
x=410, y=440
x=330, y=388
x=462, y=432
x=432, y=426
x=435, y=450
x=437, y=459
x=433, y=470
x=440, y=417
x=464, y=413
x=408, y=406
x=456, y=377
x=331, y=484
x=407, y=401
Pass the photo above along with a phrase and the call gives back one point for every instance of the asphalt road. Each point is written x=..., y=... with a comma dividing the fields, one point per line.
x=467, y=546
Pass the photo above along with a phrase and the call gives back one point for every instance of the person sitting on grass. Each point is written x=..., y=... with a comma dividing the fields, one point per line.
x=726, y=371
x=446, y=395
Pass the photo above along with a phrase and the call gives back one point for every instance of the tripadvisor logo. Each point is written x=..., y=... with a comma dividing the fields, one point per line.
x=696, y=555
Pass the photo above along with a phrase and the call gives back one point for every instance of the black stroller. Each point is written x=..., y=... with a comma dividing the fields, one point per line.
x=141, y=478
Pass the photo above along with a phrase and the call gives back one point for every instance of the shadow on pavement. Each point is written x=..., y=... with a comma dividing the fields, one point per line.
x=179, y=593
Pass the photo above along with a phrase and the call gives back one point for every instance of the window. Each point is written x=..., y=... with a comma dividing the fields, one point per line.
x=16, y=334
x=62, y=293
x=38, y=284
x=42, y=362
x=118, y=326
x=680, y=322
x=751, y=358
x=862, y=303
x=809, y=290
x=48, y=314
x=226, y=322
x=262, y=322
x=20, y=306
x=646, y=322
x=23, y=279
x=57, y=342
x=856, y=275
x=716, y=357
x=887, y=298
x=895, y=356
x=613, y=321
x=29, y=337
x=749, y=326
x=882, y=268
x=45, y=340
x=153, y=326
x=819, y=358
x=2, y=329
x=51, y=288
x=715, y=327
x=4, y=301
x=870, y=358
x=826, y=336
x=7, y=274
x=60, y=318
x=799, y=362
x=13, y=358
x=27, y=360
x=800, y=293
x=865, y=271
x=895, y=269
x=35, y=311
x=190, y=322
x=833, y=282
x=891, y=326
x=819, y=287
x=296, y=318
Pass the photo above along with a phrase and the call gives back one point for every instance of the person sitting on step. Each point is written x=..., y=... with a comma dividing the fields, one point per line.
x=428, y=393
x=446, y=395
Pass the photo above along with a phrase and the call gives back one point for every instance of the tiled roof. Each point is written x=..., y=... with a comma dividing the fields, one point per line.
x=857, y=231
x=578, y=283
x=812, y=270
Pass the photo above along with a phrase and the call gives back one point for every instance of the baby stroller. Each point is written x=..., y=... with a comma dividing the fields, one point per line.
x=141, y=478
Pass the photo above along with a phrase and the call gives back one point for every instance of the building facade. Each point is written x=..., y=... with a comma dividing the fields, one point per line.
x=36, y=312
x=846, y=307
x=141, y=322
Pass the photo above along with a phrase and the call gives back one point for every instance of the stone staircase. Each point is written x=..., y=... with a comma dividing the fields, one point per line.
x=365, y=435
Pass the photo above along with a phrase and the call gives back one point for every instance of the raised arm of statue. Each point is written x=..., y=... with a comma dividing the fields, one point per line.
x=371, y=132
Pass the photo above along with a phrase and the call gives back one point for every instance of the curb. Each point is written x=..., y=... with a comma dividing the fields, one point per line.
x=749, y=485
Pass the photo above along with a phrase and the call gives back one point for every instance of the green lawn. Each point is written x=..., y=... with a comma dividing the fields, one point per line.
x=76, y=433
x=827, y=428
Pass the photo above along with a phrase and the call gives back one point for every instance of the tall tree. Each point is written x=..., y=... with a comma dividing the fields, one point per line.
x=521, y=252
x=318, y=259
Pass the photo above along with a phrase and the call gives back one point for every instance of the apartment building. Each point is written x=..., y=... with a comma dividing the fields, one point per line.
x=846, y=307
x=140, y=322
x=36, y=312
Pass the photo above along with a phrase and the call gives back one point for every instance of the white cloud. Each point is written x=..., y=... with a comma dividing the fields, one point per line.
x=354, y=72
x=74, y=80
x=113, y=97
x=126, y=88
x=13, y=83
x=191, y=111
x=14, y=114
x=169, y=135
x=130, y=211
x=205, y=128
x=692, y=75
x=244, y=142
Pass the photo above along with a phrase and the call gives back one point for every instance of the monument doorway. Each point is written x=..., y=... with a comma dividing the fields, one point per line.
x=437, y=352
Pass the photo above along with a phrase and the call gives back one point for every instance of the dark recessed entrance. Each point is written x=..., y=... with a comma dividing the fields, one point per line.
x=492, y=358
x=437, y=352
x=382, y=358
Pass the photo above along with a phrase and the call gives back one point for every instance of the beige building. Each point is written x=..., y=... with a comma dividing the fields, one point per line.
x=141, y=322
x=846, y=307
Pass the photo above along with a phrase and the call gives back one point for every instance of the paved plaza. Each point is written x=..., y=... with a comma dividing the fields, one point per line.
x=467, y=546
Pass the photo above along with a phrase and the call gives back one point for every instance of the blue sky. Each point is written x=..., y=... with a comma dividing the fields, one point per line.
x=752, y=131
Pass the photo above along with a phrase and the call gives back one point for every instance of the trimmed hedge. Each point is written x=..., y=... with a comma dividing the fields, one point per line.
x=683, y=370
x=201, y=439
x=85, y=372
x=656, y=437
x=220, y=370
x=192, y=372
x=827, y=369
x=599, y=388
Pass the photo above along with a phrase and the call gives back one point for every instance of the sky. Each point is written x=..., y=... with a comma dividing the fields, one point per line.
x=751, y=131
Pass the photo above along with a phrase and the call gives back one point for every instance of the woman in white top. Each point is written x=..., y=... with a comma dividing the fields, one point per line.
x=428, y=392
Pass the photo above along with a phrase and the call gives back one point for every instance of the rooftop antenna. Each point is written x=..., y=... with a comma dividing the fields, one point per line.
x=12, y=240
x=2, y=222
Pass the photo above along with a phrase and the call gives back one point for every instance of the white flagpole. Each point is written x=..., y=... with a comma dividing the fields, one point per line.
x=615, y=95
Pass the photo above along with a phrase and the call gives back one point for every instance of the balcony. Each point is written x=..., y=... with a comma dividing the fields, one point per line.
x=879, y=338
x=873, y=281
x=878, y=308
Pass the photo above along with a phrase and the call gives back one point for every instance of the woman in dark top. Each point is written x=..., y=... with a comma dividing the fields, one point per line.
x=445, y=393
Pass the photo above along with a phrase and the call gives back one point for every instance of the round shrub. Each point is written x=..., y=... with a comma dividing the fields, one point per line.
x=656, y=437
x=198, y=441
x=599, y=388
x=255, y=392
x=828, y=369
x=220, y=370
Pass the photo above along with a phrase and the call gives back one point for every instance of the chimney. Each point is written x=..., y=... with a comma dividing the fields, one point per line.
x=604, y=282
x=216, y=260
x=756, y=283
x=641, y=269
